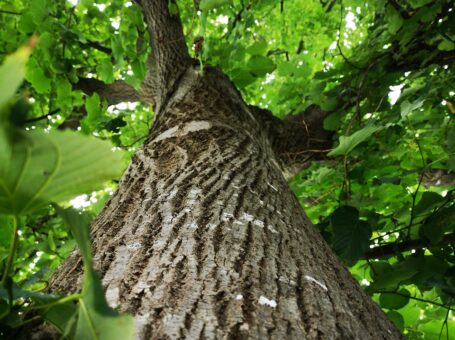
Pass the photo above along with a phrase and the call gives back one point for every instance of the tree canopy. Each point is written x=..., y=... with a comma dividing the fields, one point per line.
x=380, y=189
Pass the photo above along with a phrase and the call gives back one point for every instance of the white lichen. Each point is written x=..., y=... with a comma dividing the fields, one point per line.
x=312, y=279
x=248, y=217
x=264, y=301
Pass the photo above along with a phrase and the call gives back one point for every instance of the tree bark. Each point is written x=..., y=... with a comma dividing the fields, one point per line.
x=204, y=238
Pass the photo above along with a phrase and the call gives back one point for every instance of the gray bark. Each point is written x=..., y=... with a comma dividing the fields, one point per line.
x=204, y=238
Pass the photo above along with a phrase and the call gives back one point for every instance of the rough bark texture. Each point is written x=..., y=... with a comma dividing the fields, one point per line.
x=204, y=238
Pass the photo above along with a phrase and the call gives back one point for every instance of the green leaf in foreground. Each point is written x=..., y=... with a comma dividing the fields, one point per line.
x=95, y=319
x=348, y=143
x=12, y=73
x=53, y=167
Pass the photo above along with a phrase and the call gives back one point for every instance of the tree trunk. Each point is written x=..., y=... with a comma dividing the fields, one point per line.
x=204, y=238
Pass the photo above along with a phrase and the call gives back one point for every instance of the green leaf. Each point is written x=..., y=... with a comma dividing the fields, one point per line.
x=258, y=48
x=397, y=319
x=139, y=69
x=78, y=223
x=348, y=143
x=54, y=166
x=50, y=240
x=407, y=107
x=35, y=75
x=207, y=5
x=435, y=226
x=351, y=235
x=242, y=78
x=93, y=107
x=333, y=121
x=429, y=201
x=260, y=65
x=105, y=71
x=95, y=319
x=394, y=19
x=12, y=73
x=39, y=10
x=60, y=315
x=394, y=301
x=390, y=279
x=446, y=45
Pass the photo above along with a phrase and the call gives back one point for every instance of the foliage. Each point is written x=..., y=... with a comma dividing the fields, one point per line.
x=383, y=70
x=39, y=167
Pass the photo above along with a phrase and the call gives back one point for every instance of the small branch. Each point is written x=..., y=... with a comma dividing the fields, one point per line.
x=36, y=119
x=391, y=249
x=97, y=46
x=417, y=299
x=9, y=12
x=414, y=195
x=11, y=252
x=339, y=38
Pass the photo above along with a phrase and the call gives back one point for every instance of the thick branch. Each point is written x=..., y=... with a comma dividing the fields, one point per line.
x=170, y=57
x=114, y=93
x=297, y=138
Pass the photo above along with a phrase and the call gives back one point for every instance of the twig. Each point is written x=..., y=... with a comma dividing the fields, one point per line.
x=445, y=324
x=414, y=195
x=418, y=299
x=32, y=120
x=9, y=12
x=394, y=248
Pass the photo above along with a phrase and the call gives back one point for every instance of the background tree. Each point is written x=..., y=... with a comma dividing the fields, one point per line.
x=377, y=74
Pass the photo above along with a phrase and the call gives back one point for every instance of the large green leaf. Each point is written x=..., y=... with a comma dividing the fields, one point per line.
x=95, y=319
x=36, y=76
x=394, y=300
x=435, y=226
x=12, y=73
x=260, y=65
x=351, y=235
x=407, y=106
x=394, y=19
x=54, y=166
x=348, y=143
x=397, y=319
x=400, y=272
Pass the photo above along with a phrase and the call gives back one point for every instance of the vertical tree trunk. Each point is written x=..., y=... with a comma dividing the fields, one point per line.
x=204, y=238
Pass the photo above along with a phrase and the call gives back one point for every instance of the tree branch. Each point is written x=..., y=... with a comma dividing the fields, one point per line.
x=97, y=46
x=170, y=57
x=297, y=138
x=391, y=249
x=114, y=93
